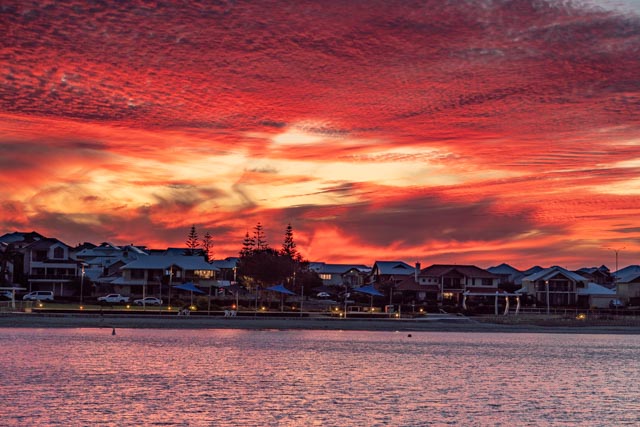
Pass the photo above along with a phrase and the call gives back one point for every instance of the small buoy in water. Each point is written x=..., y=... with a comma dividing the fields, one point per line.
x=409, y=335
x=113, y=332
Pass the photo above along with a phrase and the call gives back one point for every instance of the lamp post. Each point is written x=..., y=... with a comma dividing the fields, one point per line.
x=616, y=250
x=81, y=284
x=170, y=284
x=546, y=282
x=235, y=273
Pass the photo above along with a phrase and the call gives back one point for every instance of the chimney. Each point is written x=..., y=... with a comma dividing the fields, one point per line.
x=417, y=271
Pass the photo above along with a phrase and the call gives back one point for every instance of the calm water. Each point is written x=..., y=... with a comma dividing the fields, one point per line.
x=75, y=377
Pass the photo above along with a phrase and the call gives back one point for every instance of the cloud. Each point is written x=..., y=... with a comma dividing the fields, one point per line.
x=379, y=125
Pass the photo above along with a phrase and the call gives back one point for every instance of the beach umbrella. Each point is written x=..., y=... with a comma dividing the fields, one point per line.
x=283, y=291
x=369, y=290
x=189, y=287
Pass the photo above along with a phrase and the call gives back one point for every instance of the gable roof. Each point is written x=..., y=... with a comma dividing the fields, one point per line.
x=533, y=270
x=228, y=263
x=551, y=272
x=160, y=262
x=595, y=289
x=324, y=268
x=393, y=268
x=20, y=236
x=439, y=270
x=46, y=243
x=628, y=274
x=503, y=269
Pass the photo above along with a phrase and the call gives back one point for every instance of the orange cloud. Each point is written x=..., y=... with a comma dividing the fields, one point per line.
x=422, y=130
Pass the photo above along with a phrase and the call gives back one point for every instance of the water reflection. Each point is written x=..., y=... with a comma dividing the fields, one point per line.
x=324, y=378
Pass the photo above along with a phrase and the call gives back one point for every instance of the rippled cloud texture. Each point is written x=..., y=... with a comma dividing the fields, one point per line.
x=434, y=131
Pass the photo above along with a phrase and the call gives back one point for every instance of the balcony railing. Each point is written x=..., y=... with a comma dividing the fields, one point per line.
x=52, y=277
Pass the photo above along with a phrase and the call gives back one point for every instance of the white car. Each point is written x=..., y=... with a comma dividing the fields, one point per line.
x=113, y=299
x=39, y=296
x=148, y=301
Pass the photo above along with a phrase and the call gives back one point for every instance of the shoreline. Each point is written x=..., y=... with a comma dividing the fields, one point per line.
x=448, y=324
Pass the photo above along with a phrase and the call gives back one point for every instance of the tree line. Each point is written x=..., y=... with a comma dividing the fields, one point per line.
x=260, y=265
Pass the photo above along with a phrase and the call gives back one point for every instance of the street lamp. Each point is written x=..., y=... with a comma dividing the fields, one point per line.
x=81, y=283
x=546, y=282
x=170, y=284
x=235, y=273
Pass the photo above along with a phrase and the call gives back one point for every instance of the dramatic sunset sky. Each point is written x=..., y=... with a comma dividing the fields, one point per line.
x=435, y=131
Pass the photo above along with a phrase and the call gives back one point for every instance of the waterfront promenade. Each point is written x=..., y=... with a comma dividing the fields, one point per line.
x=429, y=323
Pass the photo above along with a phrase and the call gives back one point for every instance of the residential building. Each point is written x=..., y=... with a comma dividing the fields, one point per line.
x=507, y=275
x=556, y=285
x=600, y=275
x=157, y=274
x=447, y=283
x=41, y=264
x=228, y=268
x=102, y=263
x=594, y=295
x=390, y=273
x=628, y=285
x=351, y=275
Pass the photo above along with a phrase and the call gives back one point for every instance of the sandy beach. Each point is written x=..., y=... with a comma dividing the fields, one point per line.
x=462, y=324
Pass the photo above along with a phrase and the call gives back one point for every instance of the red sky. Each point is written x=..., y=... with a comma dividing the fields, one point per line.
x=441, y=132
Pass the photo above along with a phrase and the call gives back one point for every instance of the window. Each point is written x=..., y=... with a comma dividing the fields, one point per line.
x=203, y=274
x=325, y=276
x=58, y=253
x=137, y=274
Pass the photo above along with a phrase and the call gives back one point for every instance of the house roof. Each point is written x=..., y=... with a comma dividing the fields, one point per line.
x=155, y=262
x=393, y=268
x=439, y=270
x=228, y=263
x=324, y=268
x=533, y=270
x=591, y=270
x=46, y=243
x=20, y=236
x=595, y=289
x=503, y=269
x=628, y=274
x=551, y=272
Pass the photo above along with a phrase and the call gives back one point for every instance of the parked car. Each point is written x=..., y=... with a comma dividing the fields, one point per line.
x=5, y=295
x=323, y=295
x=616, y=303
x=39, y=296
x=148, y=301
x=113, y=299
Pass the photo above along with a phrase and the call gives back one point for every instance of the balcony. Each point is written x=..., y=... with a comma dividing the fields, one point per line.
x=51, y=278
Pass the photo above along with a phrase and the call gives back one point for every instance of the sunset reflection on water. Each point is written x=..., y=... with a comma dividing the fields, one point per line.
x=302, y=378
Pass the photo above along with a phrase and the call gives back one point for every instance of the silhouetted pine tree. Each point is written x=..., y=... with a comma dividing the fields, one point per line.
x=192, y=241
x=207, y=247
x=248, y=245
x=259, y=239
x=289, y=245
